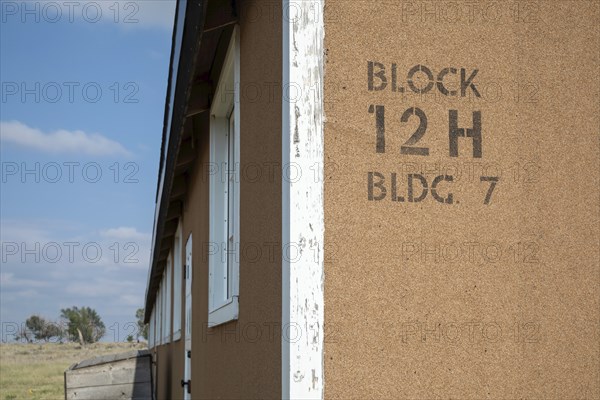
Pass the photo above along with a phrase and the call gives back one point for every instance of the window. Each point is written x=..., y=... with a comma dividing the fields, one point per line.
x=159, y=316
x=225, y=192
x=151, y=329
x=167, y=300
x=177, y=284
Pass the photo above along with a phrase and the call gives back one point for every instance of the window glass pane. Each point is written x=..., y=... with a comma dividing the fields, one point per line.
x=232, y=164
x=159, y=308
x=224, y=192
x=177, y=285
x=168, y=298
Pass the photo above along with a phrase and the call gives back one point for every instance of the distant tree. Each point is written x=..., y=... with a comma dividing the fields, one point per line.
x=35, y=324
x=42, y=329
x=130, y=338
x=24, y=335
x=84, y=324
x=142, y=327
x=54, y=330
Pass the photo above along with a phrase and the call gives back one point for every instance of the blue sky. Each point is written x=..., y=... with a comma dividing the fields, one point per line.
x=82, y=103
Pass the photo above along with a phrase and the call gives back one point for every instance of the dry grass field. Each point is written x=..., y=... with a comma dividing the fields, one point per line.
x=35, y=371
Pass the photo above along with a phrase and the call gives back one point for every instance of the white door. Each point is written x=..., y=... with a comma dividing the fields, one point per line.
x=187, y=375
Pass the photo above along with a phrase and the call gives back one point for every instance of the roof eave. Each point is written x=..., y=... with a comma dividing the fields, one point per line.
x=187, y=36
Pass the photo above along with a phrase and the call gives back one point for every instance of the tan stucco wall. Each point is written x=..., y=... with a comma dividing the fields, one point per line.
x=242, y=359
x=403, y=319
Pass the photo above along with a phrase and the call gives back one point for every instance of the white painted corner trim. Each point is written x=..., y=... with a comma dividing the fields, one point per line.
x=302, y=200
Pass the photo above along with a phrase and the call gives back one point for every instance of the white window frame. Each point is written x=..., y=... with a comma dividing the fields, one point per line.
x=177, y=283
x=223, y=293
x=167, y=299
x=159, y=315
x=151, y=329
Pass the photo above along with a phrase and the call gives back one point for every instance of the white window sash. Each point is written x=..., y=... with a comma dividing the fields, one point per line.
x=177, y=284
x=167, y=298
x=159, y=323
x=224, y=192
x=151, y=330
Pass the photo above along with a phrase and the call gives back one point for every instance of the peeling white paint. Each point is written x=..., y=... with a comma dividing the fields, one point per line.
x=303, y=217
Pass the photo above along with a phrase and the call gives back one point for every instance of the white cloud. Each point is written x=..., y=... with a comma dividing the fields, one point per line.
x=9, y=280
x=130, y=14
x=28, y=294
x=103, y=287
x=125, y=233
x=20, y=231
x=113, y=285
x=160, y=14
x=113, y=250
x=131, y=300
x=60, y=141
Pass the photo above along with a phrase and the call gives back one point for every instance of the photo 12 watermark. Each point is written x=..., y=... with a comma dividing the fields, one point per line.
x=52, y=12
x=52, y=92
x=69, y=172
x=70, y=252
